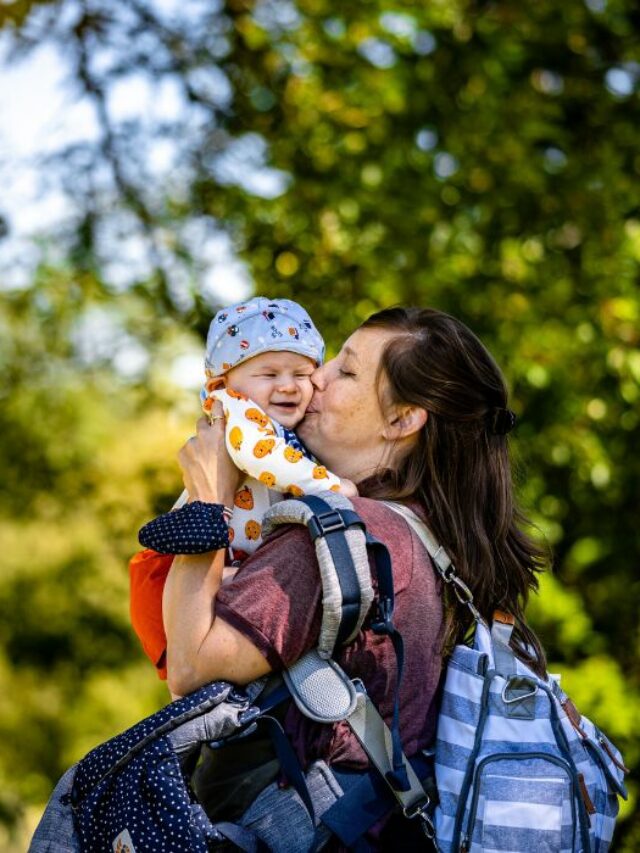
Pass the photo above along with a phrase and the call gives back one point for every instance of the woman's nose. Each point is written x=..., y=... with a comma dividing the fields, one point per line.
x=318, y=378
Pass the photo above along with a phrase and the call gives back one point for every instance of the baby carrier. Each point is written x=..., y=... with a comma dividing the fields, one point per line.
x=514, y=762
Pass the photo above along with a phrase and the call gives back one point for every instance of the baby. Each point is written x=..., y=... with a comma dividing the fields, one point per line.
x=259, y=359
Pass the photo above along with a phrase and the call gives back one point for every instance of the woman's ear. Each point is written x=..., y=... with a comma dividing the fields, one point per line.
x=404, y=421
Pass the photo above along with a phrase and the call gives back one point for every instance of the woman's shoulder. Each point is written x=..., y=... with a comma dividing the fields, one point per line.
x=380, y=512
x=409, y=557
x=385, y=523
x=380, y=519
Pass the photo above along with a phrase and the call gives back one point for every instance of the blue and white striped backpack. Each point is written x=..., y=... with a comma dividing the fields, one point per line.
x=517, y=767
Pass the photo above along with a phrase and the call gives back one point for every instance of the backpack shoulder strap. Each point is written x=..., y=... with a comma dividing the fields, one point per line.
x=434, y=549
x=340, y=542
x=439, y=555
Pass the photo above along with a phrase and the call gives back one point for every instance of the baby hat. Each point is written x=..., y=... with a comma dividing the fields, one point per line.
x=260, y=325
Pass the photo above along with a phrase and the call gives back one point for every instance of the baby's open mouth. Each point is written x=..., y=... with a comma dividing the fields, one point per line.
x=286, y=405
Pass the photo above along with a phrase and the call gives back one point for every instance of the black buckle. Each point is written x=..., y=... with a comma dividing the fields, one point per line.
x=383, y=623
x=325, y=522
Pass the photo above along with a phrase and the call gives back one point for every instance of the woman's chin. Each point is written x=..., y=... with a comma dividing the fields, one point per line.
x=307, y=429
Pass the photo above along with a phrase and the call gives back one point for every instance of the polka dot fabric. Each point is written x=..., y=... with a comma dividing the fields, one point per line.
x=195, y=528
x=148, y=795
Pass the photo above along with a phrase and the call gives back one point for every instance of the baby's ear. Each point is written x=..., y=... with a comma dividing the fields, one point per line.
x=216, y=382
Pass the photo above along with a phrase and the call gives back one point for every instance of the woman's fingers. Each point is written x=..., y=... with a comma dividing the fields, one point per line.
x=215, y=417
x=208, y=471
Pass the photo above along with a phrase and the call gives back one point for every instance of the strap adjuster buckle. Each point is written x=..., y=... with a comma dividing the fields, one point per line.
x=325, y=522
x=383, y=623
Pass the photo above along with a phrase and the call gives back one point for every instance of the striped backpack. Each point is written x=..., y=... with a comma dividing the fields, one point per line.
x=517, y=767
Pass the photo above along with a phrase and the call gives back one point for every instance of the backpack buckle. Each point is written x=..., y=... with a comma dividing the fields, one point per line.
x=517, y=688
x=325, y=522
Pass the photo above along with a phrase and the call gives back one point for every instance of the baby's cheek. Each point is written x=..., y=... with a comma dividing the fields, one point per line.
x=306, y=391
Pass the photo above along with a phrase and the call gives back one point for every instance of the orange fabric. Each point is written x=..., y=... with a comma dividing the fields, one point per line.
x=148, y=572
x=503, y=617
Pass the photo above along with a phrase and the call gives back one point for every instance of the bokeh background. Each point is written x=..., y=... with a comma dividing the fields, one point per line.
x=161, y=158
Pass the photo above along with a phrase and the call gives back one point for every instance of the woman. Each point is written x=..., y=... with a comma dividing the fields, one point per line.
x=412, y=409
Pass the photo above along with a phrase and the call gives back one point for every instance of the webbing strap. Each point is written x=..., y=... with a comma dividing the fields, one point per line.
x=376, y=739
x=505, y=661
x=241, y=837
x=384, y=625
x=440, y=557
x=437, y=553
x=366, y=798
x=289, y=762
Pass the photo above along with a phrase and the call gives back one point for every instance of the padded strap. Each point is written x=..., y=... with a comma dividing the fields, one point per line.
x=339, y=539
x=330, y=524
x=320, y=689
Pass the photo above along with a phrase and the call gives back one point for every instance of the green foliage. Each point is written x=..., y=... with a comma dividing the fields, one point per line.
x=478, y=157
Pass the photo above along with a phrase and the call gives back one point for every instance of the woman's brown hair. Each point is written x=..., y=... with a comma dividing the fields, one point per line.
x=459, y=468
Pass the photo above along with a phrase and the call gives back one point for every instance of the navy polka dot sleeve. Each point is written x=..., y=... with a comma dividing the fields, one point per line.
x=195, y=528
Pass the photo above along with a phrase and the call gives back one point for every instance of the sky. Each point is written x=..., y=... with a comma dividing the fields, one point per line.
x=39, y=114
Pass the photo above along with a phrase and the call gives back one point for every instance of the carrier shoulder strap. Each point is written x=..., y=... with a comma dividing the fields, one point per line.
x=341, y=548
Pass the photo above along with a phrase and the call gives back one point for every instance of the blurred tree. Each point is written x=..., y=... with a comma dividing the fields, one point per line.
x=481, y=157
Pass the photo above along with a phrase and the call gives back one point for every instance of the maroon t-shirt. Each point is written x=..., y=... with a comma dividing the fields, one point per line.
x=275, y=601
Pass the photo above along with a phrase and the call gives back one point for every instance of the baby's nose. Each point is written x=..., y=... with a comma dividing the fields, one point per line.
x=287, y=385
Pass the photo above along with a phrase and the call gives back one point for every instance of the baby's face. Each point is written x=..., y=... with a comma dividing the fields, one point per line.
x=279, y=382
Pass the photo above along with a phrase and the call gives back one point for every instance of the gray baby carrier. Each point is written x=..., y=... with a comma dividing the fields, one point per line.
x=166, y=784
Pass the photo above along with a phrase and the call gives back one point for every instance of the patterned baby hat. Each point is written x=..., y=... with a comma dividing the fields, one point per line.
x=260, y=325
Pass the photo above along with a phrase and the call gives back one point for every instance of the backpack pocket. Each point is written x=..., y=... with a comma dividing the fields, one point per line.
x=601, y=773
x=523, y=801
x=608, y=759
x=603, y=780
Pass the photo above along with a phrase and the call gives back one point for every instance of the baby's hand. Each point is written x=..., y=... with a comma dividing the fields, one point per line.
x=348, y=488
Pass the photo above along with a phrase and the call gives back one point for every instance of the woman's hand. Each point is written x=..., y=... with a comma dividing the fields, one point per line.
x=207, y=469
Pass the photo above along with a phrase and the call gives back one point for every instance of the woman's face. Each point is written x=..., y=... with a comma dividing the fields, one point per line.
x=344, y=424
